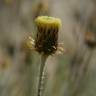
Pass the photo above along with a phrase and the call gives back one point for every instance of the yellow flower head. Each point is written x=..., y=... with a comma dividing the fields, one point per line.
x=48, y=21
x=47, y=34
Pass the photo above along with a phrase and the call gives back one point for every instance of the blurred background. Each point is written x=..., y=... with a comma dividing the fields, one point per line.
x=72, y=73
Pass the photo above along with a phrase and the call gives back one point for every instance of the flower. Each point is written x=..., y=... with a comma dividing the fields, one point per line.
x=90, y=39
x=46, y=40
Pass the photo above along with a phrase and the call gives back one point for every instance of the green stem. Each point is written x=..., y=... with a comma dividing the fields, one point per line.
x=43, y=61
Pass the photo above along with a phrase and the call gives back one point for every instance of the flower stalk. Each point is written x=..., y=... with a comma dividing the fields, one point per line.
x=41, y=75
x=46, y=42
